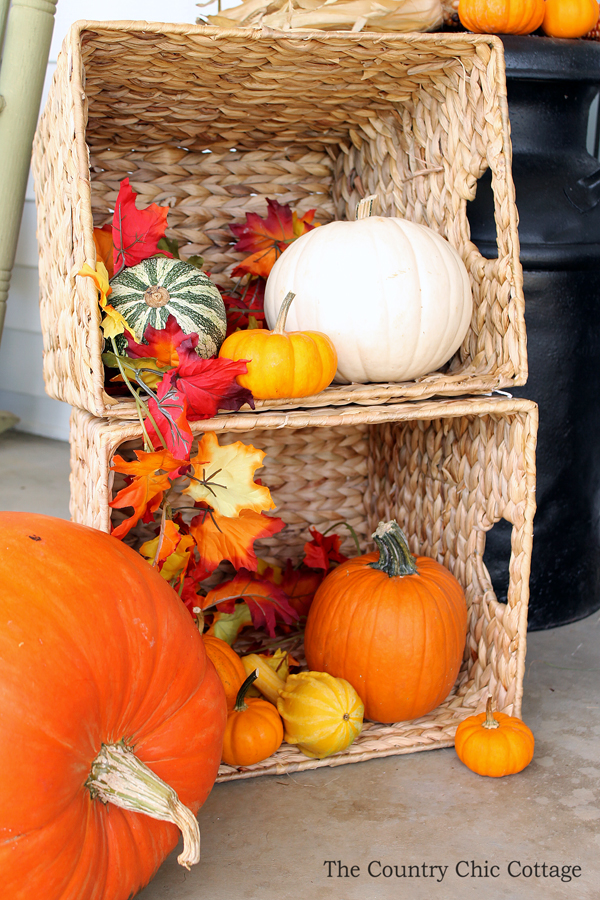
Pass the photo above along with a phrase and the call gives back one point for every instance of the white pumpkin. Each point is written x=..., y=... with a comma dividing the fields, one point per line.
x=393, y=296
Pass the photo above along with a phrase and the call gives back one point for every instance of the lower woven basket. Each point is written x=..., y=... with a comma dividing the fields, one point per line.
x=447, y=471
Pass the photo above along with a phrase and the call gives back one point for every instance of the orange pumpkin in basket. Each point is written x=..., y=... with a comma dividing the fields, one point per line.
x=569, y=18
x=392, y=625
x=228, y=664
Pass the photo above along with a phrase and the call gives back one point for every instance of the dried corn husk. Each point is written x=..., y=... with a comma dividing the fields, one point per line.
x=337, y=15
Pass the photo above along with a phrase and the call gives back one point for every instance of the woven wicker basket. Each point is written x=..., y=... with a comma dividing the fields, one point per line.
x=446, y=470
x=212, y=122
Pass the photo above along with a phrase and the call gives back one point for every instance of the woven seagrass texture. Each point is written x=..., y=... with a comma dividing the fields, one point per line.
x=212, y=122
x=446, y=470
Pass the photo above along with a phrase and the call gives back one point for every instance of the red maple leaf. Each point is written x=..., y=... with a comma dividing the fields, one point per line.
x=266, y=239
x=209, y=385
x=136, y=232
x=244, y=301
x=266, y=601
x=300, y=586
x=168, y=409
x=321, y=551
x=160, y=343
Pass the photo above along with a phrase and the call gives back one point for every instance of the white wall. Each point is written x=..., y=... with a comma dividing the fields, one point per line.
x=21, y=381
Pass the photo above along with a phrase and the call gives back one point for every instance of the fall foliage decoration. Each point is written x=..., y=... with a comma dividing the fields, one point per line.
x=569, y=18
x=321, y=714
x=100, y=719
x=254, y=729
x=280, y=363
x=501, y=16
x=392, y=625
x=494, y=744
x=266, y=239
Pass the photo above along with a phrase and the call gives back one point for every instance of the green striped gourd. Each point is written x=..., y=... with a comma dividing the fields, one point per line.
x=147, y=293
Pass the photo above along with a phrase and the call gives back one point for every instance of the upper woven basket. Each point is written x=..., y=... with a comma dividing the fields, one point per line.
x=211, y=122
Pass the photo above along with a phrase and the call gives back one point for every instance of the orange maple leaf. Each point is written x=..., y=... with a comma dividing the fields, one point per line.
x=151, y=478
x=223, y=537
x=104, y=247
x=268, y=238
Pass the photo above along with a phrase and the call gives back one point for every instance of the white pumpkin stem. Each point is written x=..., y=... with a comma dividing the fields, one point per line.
x=366, y=207
x=118, y=776
x=283, y=312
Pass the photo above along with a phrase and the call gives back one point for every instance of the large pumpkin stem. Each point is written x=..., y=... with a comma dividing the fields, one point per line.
x=366, y=206
x=118, y=776
x=394, y=556
x=283, y=311
x=490, y=721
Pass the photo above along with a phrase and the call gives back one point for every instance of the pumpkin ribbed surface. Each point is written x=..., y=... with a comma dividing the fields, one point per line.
x=495, y=752
x=148, y=293
x=393, y=296
x=95, y=647
x=321, y=714
x=228, y=664
x=501, y=16
x=398, y=640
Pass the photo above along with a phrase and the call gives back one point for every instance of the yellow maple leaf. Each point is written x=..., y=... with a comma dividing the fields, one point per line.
x=174, y=551
x=225, y=477
x=113, y=322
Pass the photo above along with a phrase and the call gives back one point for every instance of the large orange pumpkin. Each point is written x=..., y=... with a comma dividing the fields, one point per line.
x=392, y=625
x=99, y=661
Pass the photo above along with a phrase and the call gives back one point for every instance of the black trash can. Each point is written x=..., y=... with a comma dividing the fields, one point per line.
x=551, y=84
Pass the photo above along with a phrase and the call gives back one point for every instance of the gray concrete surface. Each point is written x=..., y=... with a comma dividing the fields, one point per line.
x=271, y=837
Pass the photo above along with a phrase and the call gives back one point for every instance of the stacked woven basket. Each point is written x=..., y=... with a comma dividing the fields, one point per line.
x=212, y=122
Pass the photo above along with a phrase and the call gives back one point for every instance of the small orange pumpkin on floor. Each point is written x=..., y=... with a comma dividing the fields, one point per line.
x=282, y=363
x=254, y=729
x=494, y=744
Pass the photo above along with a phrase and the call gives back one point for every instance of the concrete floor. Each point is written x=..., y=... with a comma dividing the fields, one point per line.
x=271, y=837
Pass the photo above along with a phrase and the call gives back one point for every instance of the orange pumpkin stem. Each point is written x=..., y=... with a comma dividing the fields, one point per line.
x=283, y=312
x=394, y=556
x=240, y=702
x=490, y=721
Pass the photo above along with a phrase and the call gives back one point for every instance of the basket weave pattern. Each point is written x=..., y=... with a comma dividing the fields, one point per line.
x=446, y=470
x=212, y=122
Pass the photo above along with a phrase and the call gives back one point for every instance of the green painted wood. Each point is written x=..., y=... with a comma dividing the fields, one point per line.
x=28, y=33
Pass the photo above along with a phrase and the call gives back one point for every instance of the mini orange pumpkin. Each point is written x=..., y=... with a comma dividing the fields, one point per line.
x=501, y=16
x=228, y=664
x=569, y=18
x=494, y=744
x=254, y=729
x=393, y=626
x=280, y=363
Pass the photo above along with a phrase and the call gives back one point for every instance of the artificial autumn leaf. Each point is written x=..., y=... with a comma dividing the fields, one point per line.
x=321, y=551
x=104, y=247
x=226, y=477
x=162, y=344
x=300, y=586
x=243, y=303
x=266, y=601
x=227, y=626
x=145, y=492
x=174, y=551
x=210, y=384
x=168, y=543
x=136, y=232
x=113, y=322
x=221, y=537
x=266, y=239
x=146, y=370
x=168, y=409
